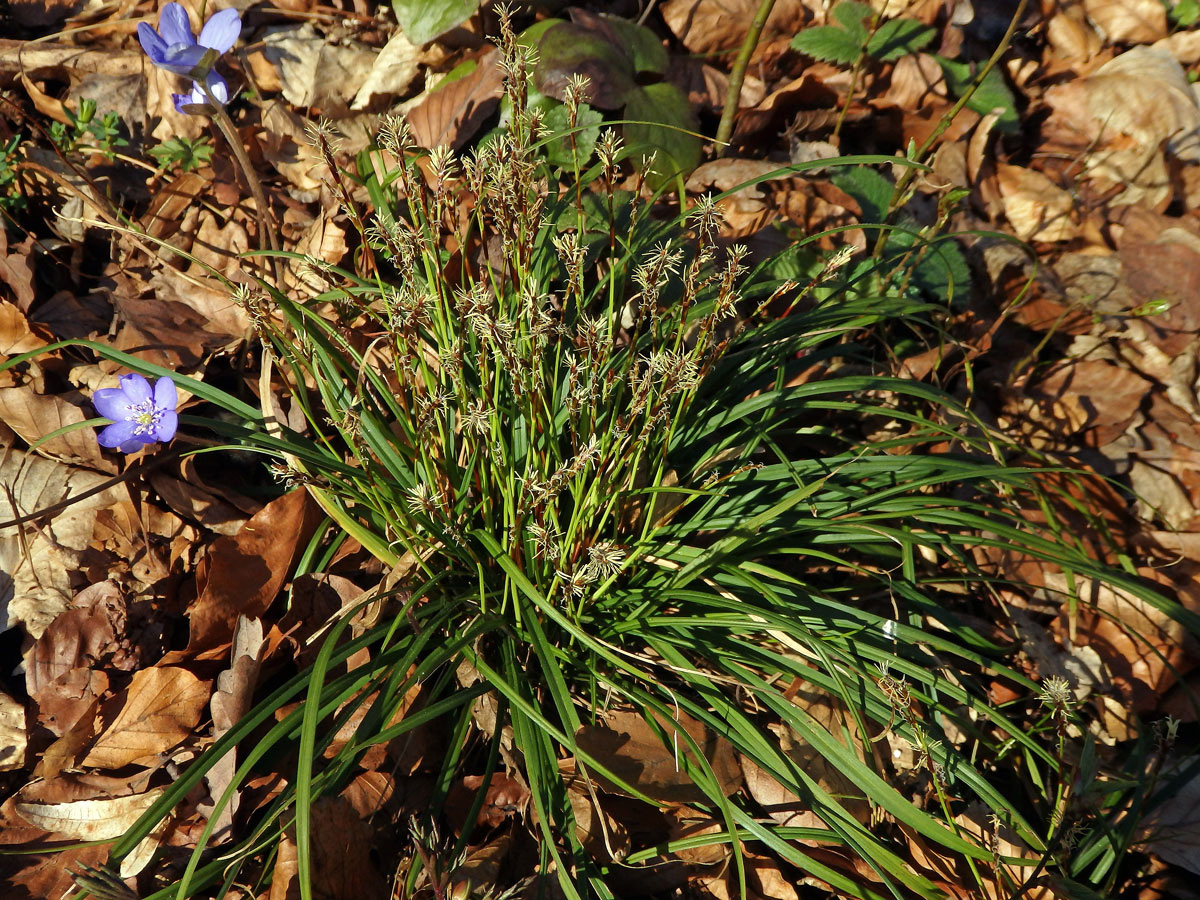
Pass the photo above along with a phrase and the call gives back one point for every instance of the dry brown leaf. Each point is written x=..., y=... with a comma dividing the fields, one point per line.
x=316, y=600
x=480, y=870
x=810, y=92
x=90, y=635
x=707, y=86
x=161, y=86
x=1160, y=495
x=65, y=753
x=1128, y=21
x=288, y=149
x=1171, y=830
x=1071, y=37
x=48, y=875
x=1122, y=114
x=37, y=558
x=771, y=883
x=634, y=752
x=1036, y=207
x=242, y=574
x=122, y=530
x=33, y=415
x=177, y=320
x=781, y=804
x=16, y=272
x=158, y=710
x=506, y=796
x=689, y=823
x=235, y=686
x=1080, y=665
x=1093, y=282
x=603, y=835
x=59, y=61
x=217, y=244
x=325, y=241
x=13, y=736
x=1144, y=648
x=369, y=792
x=313, y=71
x=1183, y=45
x=232, y=697
x=976, y=823
x=69, y=708
x=915, y=78
x=392, y=71
x=87, y=820
x=342, y=868
x=194, y=502
x=746, y=211
x=709, y=26
x=1165, y=269
x=167, y=207
x=727, y=173
x=1108, y=395
x=450, y=113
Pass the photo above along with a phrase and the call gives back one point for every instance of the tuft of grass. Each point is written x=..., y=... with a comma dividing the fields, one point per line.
x=614, y=468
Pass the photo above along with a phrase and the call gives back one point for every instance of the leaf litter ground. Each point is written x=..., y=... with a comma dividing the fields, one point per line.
x=151, y=598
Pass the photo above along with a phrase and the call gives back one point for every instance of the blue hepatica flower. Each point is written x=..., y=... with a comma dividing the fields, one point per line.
x=216, y=84
x=174, y=48
x=140, y=416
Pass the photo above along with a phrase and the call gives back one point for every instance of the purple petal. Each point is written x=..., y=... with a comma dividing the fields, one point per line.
x=174, y=25
x=182, y=59
x=167, y=423
x=113, y=403
x=155, y=46
x=196, y=103
x=219, y=88
x=165, y=395
x=135, y=387
x=117, y=434
x=221, y=32
x=134, y=445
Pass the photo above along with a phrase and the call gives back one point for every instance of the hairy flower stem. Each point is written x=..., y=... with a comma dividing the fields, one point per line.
x=900, y=192
x=855, y=74
x=738, y=74
x=265, y=226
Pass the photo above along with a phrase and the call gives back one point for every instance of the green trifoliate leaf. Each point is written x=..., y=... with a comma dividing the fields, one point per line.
x=827, y=43
x=899, y=37
x=423, y=20
x=872, y=190
x=663, y=123
x=853, y=17
x=992, y=94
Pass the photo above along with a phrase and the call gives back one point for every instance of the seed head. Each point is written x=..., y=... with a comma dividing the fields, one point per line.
x=322, y=134
x=708, y=216
x=608, y=149
x=545, y=541
x=442, y=163
x=395, y=136
x=421, y=500
x=1056, y=694
x=835, y=262
x=576, y=92
x=604, y=559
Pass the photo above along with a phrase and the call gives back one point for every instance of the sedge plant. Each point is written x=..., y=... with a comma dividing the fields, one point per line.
x=606, y=476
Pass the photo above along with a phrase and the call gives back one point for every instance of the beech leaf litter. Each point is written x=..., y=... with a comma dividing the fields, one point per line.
x=142, y=617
